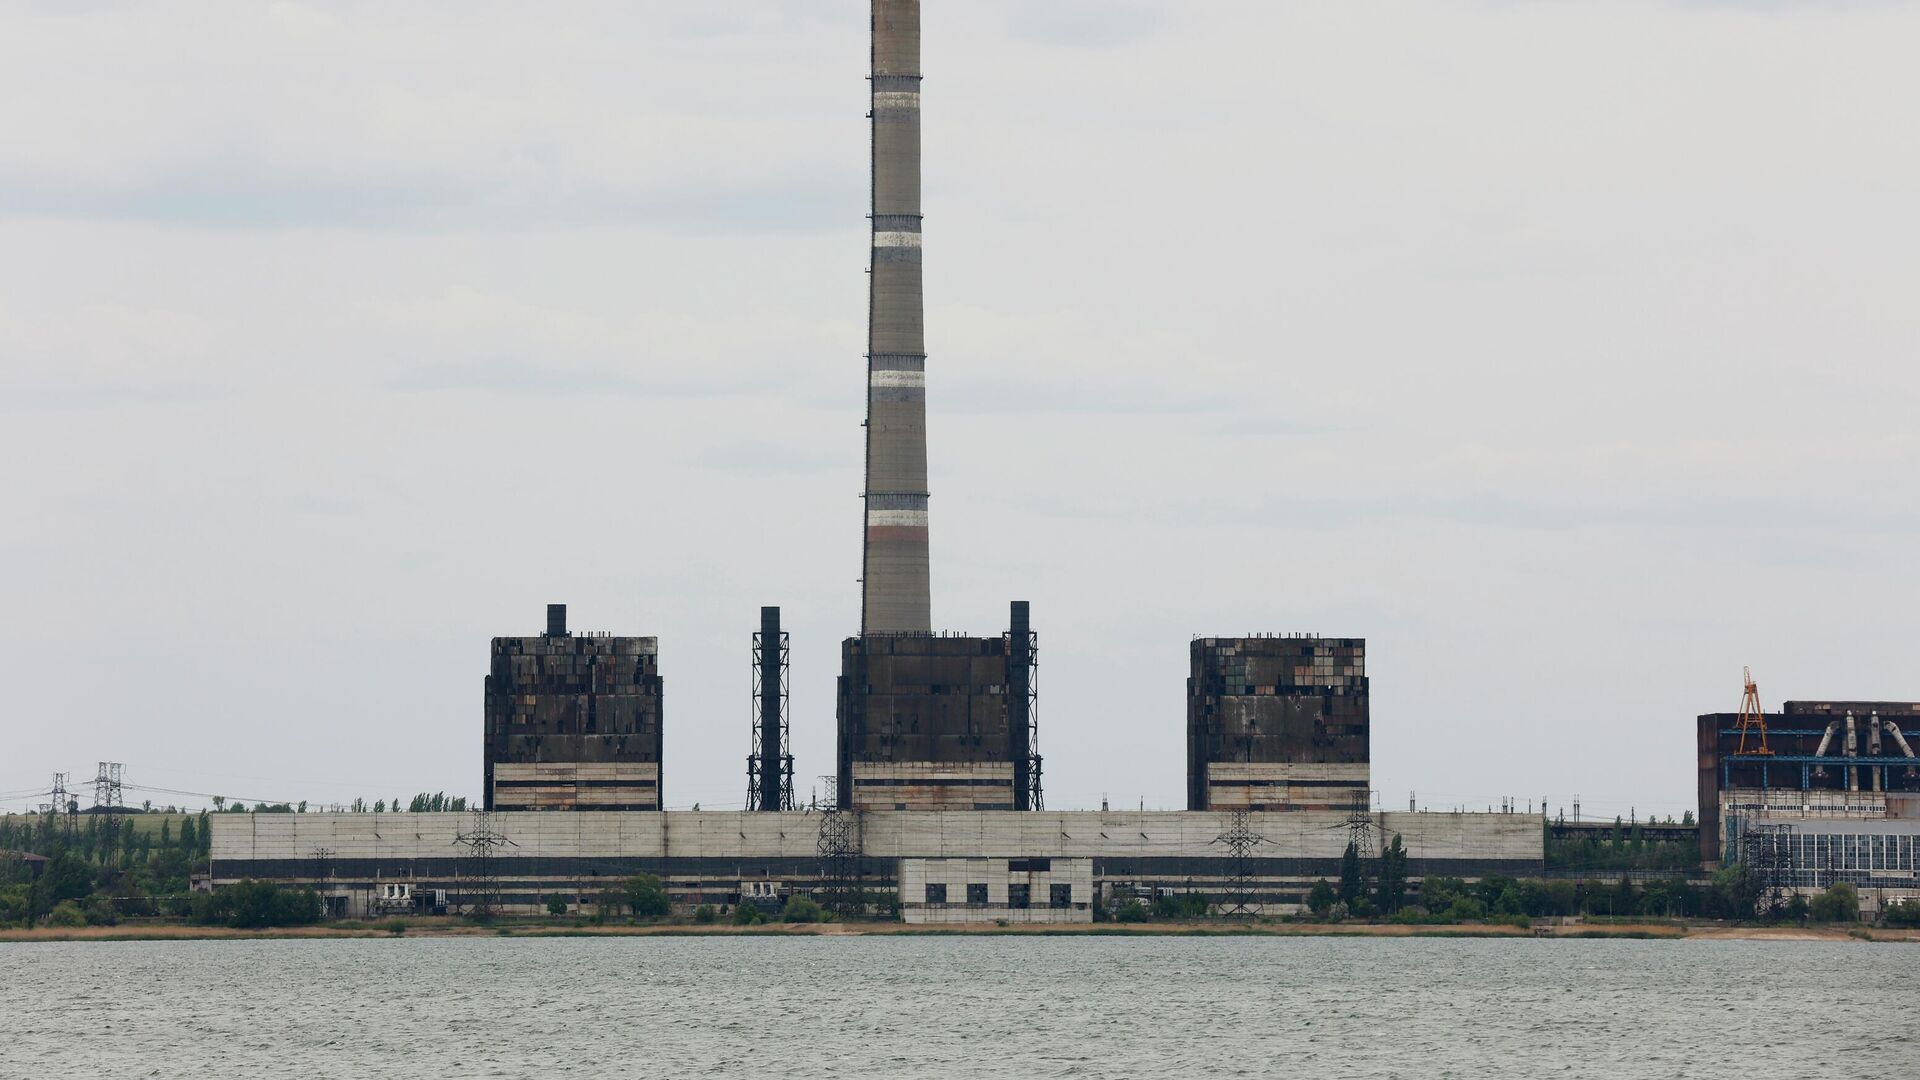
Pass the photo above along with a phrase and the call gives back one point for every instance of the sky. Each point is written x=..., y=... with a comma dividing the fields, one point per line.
x=1562, y=349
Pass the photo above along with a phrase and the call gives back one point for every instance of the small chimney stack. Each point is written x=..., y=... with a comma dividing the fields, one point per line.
x=556, y=620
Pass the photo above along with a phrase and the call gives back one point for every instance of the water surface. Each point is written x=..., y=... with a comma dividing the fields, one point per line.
x=969, y=1008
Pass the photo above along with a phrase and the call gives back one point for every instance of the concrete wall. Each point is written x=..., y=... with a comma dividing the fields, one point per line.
x=1442, y=837
x=996, y=877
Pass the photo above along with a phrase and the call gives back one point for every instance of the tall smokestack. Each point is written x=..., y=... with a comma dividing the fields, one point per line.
x=894, y=583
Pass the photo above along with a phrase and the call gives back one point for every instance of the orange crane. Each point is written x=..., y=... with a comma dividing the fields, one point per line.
x=1753, y=720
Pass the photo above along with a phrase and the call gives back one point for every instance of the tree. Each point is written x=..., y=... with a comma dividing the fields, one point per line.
x=1687, y=818
x=1839, y=903
x=66, y=914
x=380, y=807
x=745, y=914
x=556, y=904
x=1351, y=882
x=646, y=898
x=1393, y=876
x=801, y=909
x=703, y=914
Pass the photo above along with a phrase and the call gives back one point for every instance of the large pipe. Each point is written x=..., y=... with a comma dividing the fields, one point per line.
x=1826, y=741
x=1853, y=751
x=770, y=748
x=1873, y=750
x=1893, y=729
x=894, y=593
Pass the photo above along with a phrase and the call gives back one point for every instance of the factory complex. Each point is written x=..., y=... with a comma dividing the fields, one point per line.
x=936, y=811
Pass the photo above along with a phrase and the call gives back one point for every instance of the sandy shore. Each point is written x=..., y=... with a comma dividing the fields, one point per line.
x=460, y=928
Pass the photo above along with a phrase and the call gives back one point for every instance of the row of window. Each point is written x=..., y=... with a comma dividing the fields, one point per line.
x=1844, y=851
x=1018, y=896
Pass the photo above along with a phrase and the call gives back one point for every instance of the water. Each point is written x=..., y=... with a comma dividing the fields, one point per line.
x=969, y=1008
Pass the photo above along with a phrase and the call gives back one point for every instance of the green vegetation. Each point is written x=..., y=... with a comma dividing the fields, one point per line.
x=704, y=914
x=1626, y=847
x=1903, y=913
x=1839, y=903
x=66, y=913
x=1321, y=899
x=107, y=865
x=257, y=904
x=801, y=909
x=646, y=898
x=747, y=915
x=556, y=904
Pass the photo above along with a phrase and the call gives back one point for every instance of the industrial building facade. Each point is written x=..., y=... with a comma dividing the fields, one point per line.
x=1817, y=760
x=938, y=722
x=956, y=866
x=573, y=722
x=1278, y=723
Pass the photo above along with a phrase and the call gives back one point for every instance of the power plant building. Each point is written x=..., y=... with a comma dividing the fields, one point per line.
x=573, y=721
x=1840, y=776
x=937, y=809
x=1278, y=723
x=938, y=722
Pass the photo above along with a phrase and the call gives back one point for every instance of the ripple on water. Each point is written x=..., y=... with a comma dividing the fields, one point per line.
x=903, y=1007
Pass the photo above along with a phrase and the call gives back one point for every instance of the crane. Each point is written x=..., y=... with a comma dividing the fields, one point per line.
x=1753, y=720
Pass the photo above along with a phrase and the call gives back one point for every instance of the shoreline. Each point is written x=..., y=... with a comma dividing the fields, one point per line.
x=456, y=928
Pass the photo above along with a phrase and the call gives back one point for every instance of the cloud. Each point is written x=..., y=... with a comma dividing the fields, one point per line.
x=1084, y=23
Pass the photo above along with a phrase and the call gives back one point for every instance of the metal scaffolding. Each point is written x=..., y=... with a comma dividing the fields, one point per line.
x=770, y=765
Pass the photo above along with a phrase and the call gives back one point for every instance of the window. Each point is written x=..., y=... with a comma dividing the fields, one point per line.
x=1029, y=866
x=977, y=895
x=1060, y=896
x=936, y=892
x=1019, y=896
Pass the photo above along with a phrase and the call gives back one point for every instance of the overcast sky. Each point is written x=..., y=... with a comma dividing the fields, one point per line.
x=1564, y=350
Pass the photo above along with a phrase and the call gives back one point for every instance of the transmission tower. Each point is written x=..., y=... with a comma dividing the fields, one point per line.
x=482, y=842
x=839, y=847
x=322, y=863
x=1360, y=825
x=1240, y=840
x=61, y=803
x=106, y=786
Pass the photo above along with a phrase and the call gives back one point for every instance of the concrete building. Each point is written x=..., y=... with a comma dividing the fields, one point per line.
x=716, y=857
x=937, y=722
x=573, y=722
x=1277, y=723
x=894, y=579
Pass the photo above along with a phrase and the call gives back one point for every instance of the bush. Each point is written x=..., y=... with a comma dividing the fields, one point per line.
x=396, y=927
x=100, y=912
x=1467, y=909
x=801, y=909
x=1320, y=900
x=1839, y=903
x=646, y=898
x=1131, y=911
x=1904, y=913
x=1188, y=905
x=67, y=914
x=704, y=914
x=256, y=904
x=747, y=915
x=556, y=904
x=15, y=903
